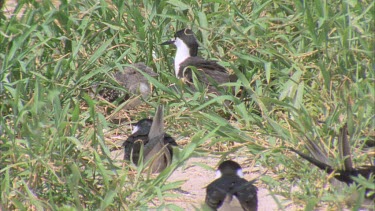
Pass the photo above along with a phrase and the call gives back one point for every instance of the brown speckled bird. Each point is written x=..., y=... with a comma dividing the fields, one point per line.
x=133, y=81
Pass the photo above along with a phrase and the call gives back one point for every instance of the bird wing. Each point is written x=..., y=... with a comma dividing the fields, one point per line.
x=343, y=175
x=321, y=165
x=222, y=189
x=209, y=72
x=169, y=141
x=317, y=152
x=199, y=62
x=132, y=147
x=210, y=68
x=216, y=193
x=156, y=150
x=246, y=194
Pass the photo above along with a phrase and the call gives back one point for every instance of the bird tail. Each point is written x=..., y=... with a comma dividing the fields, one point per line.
x=155, y=150
x=157, y=127
x=344, y=148
x=319, y=164
x=316, y=151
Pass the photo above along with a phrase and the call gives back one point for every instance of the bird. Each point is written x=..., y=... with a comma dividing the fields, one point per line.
x=157, y=145
x=345, y=174
x=210, y=72
x=131, y=80
x=140, y=133
x=230, y=186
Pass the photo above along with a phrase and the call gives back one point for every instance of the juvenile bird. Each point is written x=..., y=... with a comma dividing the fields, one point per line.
x=133, y=81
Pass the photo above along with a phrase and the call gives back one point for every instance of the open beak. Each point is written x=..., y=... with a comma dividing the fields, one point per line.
x=168, y=42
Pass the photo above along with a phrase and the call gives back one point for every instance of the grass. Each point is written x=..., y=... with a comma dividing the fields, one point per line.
x=306, y=69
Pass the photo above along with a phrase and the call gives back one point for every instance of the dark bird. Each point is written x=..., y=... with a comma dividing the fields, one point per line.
x=133, y=81
x=210, y=73
x=230, y=185
x=345, y=174
x=157, y=145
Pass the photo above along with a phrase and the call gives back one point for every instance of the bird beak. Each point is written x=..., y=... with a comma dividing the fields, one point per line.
x=168, y=42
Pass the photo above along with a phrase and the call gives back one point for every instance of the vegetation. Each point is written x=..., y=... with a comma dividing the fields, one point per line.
x=306, y=68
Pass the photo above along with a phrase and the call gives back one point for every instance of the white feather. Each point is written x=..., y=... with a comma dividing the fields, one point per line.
x=182, y=54
x=218, y=174
x=135, y=129
x=240, y=173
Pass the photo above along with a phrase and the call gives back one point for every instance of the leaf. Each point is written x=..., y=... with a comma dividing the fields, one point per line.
x=179, y=4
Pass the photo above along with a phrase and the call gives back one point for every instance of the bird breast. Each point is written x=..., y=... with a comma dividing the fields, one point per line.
x=182, y=54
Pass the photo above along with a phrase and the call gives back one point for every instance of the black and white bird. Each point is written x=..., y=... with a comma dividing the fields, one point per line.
x=231, y=187
x=157, y=145
x=211, y=74
x=345, y=174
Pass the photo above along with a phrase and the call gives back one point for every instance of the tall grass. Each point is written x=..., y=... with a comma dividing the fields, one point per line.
x=306, y=68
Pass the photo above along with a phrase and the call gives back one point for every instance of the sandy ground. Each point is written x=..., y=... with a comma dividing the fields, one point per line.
x=197, y=178
x=192, y=193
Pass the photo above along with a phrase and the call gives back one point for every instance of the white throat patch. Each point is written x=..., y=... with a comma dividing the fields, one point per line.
x=238, y=173
x=182, y=54
x=135, y=129
x=218, y=174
